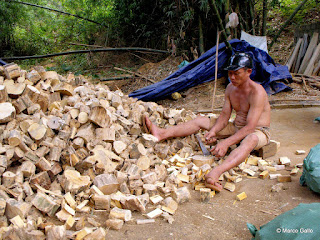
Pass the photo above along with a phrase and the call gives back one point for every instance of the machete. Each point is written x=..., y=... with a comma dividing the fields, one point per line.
x=203, y=148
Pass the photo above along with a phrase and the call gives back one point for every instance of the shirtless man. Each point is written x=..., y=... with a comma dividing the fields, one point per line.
x=250, y=127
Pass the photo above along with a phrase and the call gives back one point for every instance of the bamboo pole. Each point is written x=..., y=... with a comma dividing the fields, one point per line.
x=201, y=42
x=134, y=73
x=264, y=17
x=216, y=71
x=251, y=11
x=220, y=25
x=86, y=51
x=116, y=78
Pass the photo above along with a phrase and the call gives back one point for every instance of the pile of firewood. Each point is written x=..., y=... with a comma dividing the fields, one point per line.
x=70, y=150
x=69, y=147
x=305, y=57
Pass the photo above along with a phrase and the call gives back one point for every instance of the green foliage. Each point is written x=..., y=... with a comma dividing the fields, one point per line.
x=27, y=30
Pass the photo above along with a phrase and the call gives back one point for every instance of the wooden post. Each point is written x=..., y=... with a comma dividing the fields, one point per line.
x=216, y=70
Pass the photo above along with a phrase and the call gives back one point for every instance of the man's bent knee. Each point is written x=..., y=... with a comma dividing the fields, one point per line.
x=202, y=122
x=251, y=141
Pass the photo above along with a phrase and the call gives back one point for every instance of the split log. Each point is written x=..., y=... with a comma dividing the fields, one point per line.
x=33, y=76
x=3, y=94
x=119, y=146
x=22, y=103
x=83, y=117
x=284, y=178
x=28, y=168
x=107, y=183
x=73, y=182
x=86, y=132
x=200, y=160
x=14, y=90
x=170, y=203
x=144, y=163
x=7, y=112
x=149, y=178
x=98, y=234
x=134, y=203
x=2, y=206
x=32, y=93
x=99, y=116
x=137, y=150
x=8, y=178
x=181, y=195
x=101, y=202
x=18, y=222
x=14, y=138
x=106, y=134
x=155, y=213
x=43, y=164
x=115, y=224
x=55, y=232
x=54, y=123
x=33, y=109
x=64, y=89
x=12, y=71
x=37, y=131
x=14, y=208
x=118, y=213
x=42, y=179
x=43, y=101
x=24, y=125
x=74, y=113
x=70, y=222
x=63, y=215
x=55, y=154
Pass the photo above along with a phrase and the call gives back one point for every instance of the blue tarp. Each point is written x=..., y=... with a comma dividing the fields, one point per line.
x=2, y=62
x=265, y=71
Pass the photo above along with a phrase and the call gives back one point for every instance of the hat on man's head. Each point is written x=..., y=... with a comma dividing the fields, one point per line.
x=239, y=60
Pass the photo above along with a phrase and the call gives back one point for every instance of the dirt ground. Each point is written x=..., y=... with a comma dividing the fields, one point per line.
x=294, y=129
x=222, y=217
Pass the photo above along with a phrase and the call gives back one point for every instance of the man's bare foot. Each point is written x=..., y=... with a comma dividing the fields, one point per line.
x=153, y=129
x=212, y=181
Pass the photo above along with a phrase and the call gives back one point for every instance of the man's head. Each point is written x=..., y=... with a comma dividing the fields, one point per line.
x=239, y=68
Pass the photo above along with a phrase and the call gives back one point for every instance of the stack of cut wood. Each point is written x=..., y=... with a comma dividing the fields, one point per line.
x=74, y=152
x=305, y=57
x=69, y=148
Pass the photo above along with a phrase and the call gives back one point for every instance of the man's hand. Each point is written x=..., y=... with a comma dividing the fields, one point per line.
x=220, y=149
x=210, y=137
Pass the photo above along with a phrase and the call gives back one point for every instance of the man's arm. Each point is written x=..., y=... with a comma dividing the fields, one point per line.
x=256, y=108
x=223, y=118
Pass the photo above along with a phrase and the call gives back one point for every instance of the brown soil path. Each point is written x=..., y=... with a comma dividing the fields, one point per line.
x=295, y=129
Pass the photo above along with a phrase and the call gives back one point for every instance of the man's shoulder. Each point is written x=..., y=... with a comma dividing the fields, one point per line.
x=258, y=88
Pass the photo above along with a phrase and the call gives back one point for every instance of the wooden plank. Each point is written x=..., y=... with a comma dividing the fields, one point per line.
x=316, y=69
x=302, y=52
x=312, y=61
x=311, y=47
x=290, y=64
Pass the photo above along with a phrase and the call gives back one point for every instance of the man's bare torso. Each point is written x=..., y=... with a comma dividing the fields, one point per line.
x=242, y=100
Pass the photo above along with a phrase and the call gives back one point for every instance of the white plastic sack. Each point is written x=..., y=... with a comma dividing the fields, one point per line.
x=256, y=41
x=233, y=20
